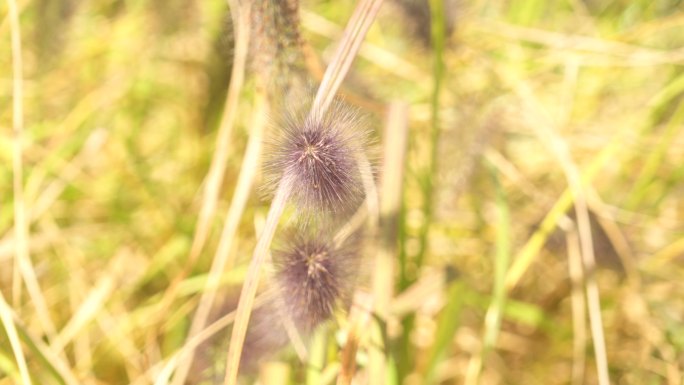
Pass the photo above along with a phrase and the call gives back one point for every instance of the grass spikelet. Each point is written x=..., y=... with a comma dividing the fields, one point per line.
x=317, y=153
x=314, y=276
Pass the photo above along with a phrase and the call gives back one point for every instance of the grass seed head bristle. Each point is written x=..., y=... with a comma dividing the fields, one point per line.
x=314, y=277
x=318, y=154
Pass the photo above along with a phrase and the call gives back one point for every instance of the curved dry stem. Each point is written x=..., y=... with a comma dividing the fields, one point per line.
x=23, y=268
x=560, y=150
x=291, y=329
x=237, y=206
x=356, y=30
x=240, y=14
x=214, y=179
x=579, y=335
x=191, y=344
x=249, y=288
x=11, y=330
x=370, y=204
x=354, y=223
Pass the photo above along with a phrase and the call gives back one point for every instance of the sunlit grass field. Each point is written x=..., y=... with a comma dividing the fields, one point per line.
x=534, y=233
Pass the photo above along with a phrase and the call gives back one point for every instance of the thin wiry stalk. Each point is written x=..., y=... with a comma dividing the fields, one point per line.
x=11, y=330
x=237, y=206
x=579, y=334
x=240, y=15
x=359, y=323
x=291, y=328
x=251, y=283
x=21, y=228
x=572, y=174
x=163, y=373
x=214, y=180
x=396, y=136
x=394, y=156
x=438, y=30
x=356, y=30
x=494, y=315
x=57, y=365
x=593, y=297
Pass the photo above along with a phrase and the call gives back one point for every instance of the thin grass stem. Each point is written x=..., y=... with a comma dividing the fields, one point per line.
x=438, y=31
x=11, y=330
x=560, y=150
x=579, y=324
x=240, y=14
x=23, y=265
x=251, y=283
x=494, y=315
x=164, y=373
x=222, y=259
x=359, y=23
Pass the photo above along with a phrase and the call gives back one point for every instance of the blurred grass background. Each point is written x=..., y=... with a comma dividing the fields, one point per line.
x=122, y=103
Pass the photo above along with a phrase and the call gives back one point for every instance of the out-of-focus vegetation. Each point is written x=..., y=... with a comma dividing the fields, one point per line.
x=540, y=113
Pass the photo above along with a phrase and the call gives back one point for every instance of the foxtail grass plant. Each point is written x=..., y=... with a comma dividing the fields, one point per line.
x=313, y=175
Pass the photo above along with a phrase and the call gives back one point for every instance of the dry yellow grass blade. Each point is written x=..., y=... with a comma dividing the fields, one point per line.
x=592, y=51
x=359, y=324
x=249, y=288
x=579, y=334
x=383, y=58
x=356, y=30
x=543, y=128
x=23, y=267
x=221, y=260
x=394, y=156
x=161, y=372
x=91, y=306
x=240, y=14
x=391, y=181
x=15, y=343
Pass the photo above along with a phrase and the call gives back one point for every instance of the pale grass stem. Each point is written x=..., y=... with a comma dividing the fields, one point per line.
x=22, y=261
x=579, y=334
x=13, y=336
x=359, y=324
x=251, y=283
x=560, y=150
x=214, y=179
x=356, y=30
x=494, y=315
x=240, y=14
x=391, y=181
x=162, y=373
x=222, y=259
x=394, y=156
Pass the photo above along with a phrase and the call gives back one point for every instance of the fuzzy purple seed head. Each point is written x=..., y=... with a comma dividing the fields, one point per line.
x=318, y=153
x=314, y=277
